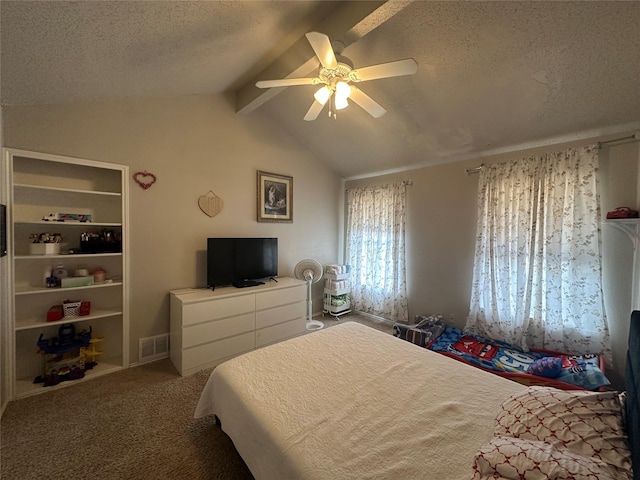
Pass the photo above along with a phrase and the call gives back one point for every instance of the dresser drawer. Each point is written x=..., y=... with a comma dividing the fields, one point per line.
x=211, y=326
x=217, y=329
x=225, y=307
x=281, y=297
x=266, y=318
x=280, y=332
x=213, y=353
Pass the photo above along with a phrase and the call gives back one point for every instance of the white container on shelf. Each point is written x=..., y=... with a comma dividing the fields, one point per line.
x=44, y=248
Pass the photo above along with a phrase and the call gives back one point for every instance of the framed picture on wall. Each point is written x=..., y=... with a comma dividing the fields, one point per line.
x=275, y=197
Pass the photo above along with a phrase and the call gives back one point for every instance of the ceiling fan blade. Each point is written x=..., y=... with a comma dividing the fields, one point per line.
x=314, y=111
x=322, y=46
x=286, y=82
x=367, y=103
x=384, y=70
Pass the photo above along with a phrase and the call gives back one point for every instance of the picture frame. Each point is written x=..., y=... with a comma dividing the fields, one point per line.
x=275, y=197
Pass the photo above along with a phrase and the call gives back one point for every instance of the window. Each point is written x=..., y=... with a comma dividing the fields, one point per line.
x=375, y=250
x=537, y=271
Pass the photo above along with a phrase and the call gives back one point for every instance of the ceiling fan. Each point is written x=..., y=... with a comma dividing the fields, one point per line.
x=337, y=76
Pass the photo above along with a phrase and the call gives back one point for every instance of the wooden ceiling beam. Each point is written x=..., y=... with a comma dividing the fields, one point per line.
x=349, y=22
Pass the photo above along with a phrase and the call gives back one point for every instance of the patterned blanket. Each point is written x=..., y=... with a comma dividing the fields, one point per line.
x=583, y=370
x=552, y=368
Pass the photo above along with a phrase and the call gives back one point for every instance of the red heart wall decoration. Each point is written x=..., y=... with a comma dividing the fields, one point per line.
x=144, y=179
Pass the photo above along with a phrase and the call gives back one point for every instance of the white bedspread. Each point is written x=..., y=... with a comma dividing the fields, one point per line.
x=352, y=402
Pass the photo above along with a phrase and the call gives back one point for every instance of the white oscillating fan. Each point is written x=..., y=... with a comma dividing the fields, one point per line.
x=311, y=272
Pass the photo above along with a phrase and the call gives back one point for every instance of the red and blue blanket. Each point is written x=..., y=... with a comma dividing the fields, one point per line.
x=535, y=367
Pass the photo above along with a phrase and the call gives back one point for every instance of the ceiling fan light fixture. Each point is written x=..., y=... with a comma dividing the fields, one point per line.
x=343, y=90
x=322, y=95
x=341, y=102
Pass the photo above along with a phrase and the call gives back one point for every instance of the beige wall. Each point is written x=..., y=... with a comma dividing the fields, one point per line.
x=192, y=144
x=195, y=144
x=441, y=226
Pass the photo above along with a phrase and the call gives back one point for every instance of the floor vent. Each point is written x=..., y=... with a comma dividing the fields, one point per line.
x=154, y=348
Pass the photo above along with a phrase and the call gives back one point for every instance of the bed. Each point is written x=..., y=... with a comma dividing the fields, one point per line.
x=353, y=402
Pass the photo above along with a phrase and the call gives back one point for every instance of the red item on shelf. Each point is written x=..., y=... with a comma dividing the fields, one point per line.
x=55, y=313
x=622, y=212
x=85, y=308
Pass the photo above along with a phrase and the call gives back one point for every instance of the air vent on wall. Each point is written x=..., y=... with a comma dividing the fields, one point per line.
x=153, y=348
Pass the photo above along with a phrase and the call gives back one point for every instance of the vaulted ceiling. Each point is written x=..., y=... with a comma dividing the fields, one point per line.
x=492, y=76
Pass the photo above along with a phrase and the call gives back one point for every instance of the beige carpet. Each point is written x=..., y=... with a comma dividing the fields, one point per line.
x=133, y=424
x=377, y=323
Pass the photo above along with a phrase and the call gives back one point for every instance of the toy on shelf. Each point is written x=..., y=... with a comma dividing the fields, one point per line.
x=91, y=353
x=64, y=355
x=67, y=217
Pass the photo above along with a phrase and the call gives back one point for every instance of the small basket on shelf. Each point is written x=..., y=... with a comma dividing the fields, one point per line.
x=76, y=308
x=45, y=243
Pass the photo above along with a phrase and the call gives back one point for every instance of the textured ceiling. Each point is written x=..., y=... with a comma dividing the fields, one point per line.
x=491, y=75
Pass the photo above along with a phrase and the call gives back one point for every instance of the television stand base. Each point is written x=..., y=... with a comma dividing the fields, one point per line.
x=247, y=283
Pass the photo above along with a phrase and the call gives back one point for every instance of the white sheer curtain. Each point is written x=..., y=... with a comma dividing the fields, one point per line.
x=537, y=272
x=375, y=250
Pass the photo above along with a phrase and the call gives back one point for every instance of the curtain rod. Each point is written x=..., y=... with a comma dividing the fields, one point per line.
x=628, y=139
x=404, y=182
x=477, y=169
x=618, y=141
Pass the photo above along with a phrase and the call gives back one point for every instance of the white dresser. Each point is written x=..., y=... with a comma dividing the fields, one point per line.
x=209, y=327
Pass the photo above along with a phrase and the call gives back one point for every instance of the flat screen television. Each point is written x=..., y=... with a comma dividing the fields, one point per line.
x=241, y=262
